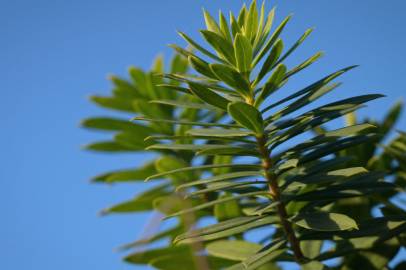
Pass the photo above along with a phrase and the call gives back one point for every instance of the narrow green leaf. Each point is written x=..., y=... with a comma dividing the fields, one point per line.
x=132, y=140
x=312, y=95
x=288, y=164
x=199, y=48
x=175, y=88
x=183, y=104
x=317, y=85
x=271, y=40
x=211, y=23
x=188, y=138
x=317, y=167
x=110, y=146
x=311, y=249
x=302, y=125
x=229, y=150
x=142, y=202
x=235, y=28
x=330, y=176
x=296, y=45
x=242, y=16
x=251, y=21
x=138, y=78
x=146, y=256
x=271, y=59
x=218, y=201
x=115, y=103
x=208, y=96
x=391, y=117
x=266, y=266
x=201, y=66
x=336, y=146
x=350, y=130
x=158, y=64
x=193, y=79
x=180, y=122
x=217, y=227
x=314, y=265
x=209, y=85
x=265, y=31
x=224, y=229
x=224, y=27
x=223, y=48
x=171, y=163
x=228, y=186
x=153, y=110
x=318, y=116
x=305, y=64
x=183, y=52
x=127, y=175
x=205, y=167
x=328, y=136
x=273, y=83
x=243, y=53
x=125, y=88
x=219, y=178
x=269, y=22
x=221, y=160
x=321, y=221
x=381, y=226
x=178, y=65
x=179, y=261
x=113, y=124
x=216, y=132
x=263, y=209
x=227, y=209
x=247, y=116
x=258, y=35
x=187, y=147
x=172, y=203
x=171, y=232
x=232, y=78
x=236, y=250
x=342, y=191
x=269, y=254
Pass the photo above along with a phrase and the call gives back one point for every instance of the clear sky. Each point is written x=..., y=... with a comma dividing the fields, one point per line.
x=54, y=53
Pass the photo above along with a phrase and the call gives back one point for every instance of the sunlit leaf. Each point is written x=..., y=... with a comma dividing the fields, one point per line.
x=247, y=116
x=216, y=132
x=320, y=221
x=208, y=96
x=223, y=48
x=138, y=174
x=235, y=250
x=232, y=78
x=243, y=53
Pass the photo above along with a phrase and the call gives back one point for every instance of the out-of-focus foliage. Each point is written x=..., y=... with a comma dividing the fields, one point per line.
x=222, y=151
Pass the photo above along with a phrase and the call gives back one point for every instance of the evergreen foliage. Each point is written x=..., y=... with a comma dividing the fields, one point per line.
x=223, y=149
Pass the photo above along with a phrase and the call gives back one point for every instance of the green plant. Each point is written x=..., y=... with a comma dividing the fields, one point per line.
x=224, y=145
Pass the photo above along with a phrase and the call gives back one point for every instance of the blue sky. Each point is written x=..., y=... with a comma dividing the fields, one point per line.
x=53, y=54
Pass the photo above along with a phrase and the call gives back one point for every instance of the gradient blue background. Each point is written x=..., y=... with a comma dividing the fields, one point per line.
x=53, y=54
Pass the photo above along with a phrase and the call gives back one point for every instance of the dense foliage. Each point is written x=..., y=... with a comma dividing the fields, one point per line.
x=223, y=149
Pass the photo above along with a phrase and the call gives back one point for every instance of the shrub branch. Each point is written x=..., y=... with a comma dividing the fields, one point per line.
x=275, y=193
